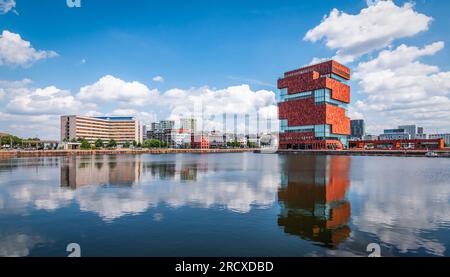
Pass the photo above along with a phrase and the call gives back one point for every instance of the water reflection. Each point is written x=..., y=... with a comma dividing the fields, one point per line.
x=242, y=204
x=161, y=181
x=99, y=170
x=313, y=200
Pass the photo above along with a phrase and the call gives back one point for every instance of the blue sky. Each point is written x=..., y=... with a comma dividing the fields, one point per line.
x=197, y=47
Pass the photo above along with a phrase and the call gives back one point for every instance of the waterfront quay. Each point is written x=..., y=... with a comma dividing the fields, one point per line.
x=359, y=152
x=52, y=153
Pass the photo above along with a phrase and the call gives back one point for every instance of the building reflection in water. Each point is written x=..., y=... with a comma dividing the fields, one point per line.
x=105, y=170
x=99, y=170
x=312, y=198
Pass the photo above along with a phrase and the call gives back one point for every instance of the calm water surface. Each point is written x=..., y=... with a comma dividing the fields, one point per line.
x=224, y=205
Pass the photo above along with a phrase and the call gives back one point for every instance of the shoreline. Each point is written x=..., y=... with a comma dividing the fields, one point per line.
x=387, y=153
x=59, y=153
x=62, y=153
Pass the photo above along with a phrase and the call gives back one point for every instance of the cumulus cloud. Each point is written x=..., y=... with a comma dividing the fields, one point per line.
x=112, y=89
x=146, y=117
x=14, y=51
x=210, y=104
x=49, y=100
x=7, y=6
x=375, y=27
x=397, y=85
x=158, y=79
x=110, y=95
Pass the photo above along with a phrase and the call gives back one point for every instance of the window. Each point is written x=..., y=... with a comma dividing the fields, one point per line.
x=322, y=130
x=284, y=96
x=323, y=96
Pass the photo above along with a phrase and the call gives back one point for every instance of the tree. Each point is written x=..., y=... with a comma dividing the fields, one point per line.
x=85, y=145
x=74, y=140
x=135, y=143
x=10, y=140
x=251, y=144
x=99, y=143
x=112, y=143
x=233, y=144
x=447, y=145
x=155, y=143
x=127, y=144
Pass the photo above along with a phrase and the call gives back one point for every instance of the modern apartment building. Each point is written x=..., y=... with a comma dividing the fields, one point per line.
x=357, y=128
x=410, y=129
x=121, y=129
x=312, y=107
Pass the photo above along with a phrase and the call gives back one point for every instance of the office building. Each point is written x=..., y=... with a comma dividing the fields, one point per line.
x=120, y=129
x=410, y=129
x=445, y=137
x=357, y=128
x=189, y=124
x=420, y=136
x=312, y=105
x=166, y=124
x=155, y=126
x=395, y=134
x=420, y=130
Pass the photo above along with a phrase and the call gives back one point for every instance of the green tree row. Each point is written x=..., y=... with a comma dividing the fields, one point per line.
x=155, y=143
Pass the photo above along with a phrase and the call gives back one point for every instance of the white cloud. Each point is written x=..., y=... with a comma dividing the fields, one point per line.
x=211, y=104
x=14, y=51
x=49, y=100
x=158, y=79
x=7, y=6
x=398, y=88
x=146, y=117
x=375, y=27
x=24, y=105
x=112, y=89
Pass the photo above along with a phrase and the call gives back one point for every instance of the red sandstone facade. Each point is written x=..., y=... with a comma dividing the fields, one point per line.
x=312, y=107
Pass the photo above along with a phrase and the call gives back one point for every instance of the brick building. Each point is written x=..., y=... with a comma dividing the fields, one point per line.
x=312, y=106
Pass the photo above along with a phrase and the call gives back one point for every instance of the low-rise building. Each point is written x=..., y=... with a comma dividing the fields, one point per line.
x=445, y=137
x=395, y=134
x=199, y=141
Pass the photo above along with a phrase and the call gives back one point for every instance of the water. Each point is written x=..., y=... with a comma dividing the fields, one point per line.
x=224, y=205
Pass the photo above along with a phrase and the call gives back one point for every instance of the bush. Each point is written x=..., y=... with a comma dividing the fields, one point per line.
x=126, y=144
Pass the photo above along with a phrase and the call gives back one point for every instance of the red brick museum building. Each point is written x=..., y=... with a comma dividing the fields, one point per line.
x=312, y=106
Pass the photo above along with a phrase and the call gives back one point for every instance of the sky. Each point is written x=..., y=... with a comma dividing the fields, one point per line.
x=171, y=59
